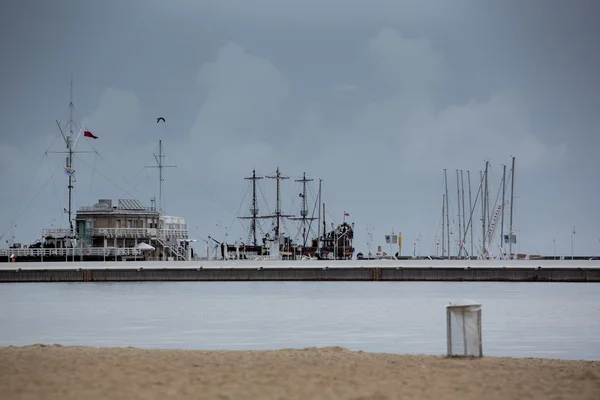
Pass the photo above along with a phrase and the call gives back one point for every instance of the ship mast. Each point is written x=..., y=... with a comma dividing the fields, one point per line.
x=278, y=215
x=254, y=209
x=304, y=211
x=319, y=220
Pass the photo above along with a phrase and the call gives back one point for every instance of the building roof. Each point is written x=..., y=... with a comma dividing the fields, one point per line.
x=130, y=204
x=125, y=206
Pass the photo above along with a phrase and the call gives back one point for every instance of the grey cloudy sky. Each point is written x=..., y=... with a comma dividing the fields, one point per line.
x=374, y=97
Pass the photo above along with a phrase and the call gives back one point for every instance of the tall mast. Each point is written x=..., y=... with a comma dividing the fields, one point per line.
x=512, y=198
x=159, y=161
x=458, y=208
x=470, y=207
x=278, y=214
x=69, y=140
x=482, y=210
x=254, y=209
x=304, y=211
x=324, y=223
x=443, y=223
x=447, y=213
x=487, y=195
x=462, y=185
x=502, y=220
x=319, y=221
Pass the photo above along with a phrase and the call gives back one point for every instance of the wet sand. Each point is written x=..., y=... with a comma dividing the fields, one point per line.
x=56, y=372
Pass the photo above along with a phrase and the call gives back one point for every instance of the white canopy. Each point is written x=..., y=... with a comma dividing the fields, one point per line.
x=144, y=246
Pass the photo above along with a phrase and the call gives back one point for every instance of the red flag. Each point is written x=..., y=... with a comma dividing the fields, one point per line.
x=89, y=134
x=346, y=214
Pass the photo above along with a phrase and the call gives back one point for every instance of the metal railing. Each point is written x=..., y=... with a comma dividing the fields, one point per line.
x=179, y=251
x=70, y=252
x=140, y=233
x=93, y=208
x=122, y=233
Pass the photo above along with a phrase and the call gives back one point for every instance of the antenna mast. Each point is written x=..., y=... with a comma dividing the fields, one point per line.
x=69, y=142
x=159, y=161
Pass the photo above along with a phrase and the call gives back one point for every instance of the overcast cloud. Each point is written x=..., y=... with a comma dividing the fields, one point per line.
x=376, y=98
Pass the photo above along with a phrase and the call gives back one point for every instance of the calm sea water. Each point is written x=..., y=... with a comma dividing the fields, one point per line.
x=553, y=320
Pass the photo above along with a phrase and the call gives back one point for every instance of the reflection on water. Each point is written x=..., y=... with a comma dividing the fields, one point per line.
x=557, y=320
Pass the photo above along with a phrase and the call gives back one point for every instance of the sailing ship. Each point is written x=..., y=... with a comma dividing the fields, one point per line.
x=334, y=243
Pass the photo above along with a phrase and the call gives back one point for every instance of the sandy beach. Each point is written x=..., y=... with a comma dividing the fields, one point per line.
x=57, y=372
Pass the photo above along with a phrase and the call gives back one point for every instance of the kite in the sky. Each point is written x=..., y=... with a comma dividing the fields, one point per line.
x=159, y=118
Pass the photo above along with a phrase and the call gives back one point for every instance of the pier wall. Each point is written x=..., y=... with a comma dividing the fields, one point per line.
x=295, y=271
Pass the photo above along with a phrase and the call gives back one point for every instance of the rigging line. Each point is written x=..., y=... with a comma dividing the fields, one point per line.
x=315, y=207
x=117, y=171
x=264, y=197
x=235, y=217
x=37, y=194
x=92, y=178
x=54, y=185
x=205, y=188
x=136, y=187
x=149, y=183
x=109, y=181
x=145, y=169
x=224, y=205
x=25, y=193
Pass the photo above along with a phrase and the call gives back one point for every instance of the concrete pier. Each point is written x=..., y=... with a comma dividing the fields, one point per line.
x=378, y=270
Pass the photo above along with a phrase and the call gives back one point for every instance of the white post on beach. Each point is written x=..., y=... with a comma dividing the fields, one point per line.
x=463, y=329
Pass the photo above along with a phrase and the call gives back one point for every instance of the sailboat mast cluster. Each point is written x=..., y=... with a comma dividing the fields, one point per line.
x=491, y=214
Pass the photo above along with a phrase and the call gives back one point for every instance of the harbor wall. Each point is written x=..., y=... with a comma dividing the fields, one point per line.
x=388, y=270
